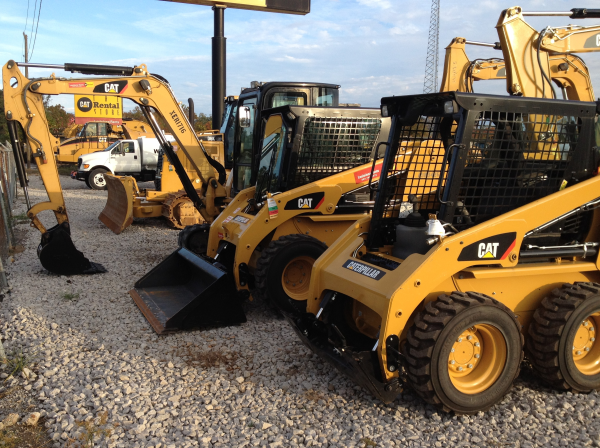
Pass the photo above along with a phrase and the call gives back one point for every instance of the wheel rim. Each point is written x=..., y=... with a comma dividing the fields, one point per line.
x=99, y=180
x=586, y=352
x=477, y=358
x=296, y=277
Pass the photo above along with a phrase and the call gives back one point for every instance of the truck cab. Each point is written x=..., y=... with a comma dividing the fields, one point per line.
x=244, y=148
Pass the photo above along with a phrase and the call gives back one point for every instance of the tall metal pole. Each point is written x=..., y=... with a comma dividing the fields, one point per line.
x=431, y=65
x=26, y=56
x=218, y=66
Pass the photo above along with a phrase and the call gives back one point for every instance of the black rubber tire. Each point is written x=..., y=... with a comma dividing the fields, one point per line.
x=91, y=181
x=272, y=262
x=432, y=336
x=195, y=238
x=552, y=331
x=87, y=182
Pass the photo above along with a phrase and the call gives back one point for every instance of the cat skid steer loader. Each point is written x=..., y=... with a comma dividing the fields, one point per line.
x=503, y=255
x=23, y=104
x=313, y=168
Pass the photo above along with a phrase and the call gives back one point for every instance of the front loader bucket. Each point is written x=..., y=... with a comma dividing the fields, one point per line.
x=118, y=211
x=58, y=254
x=186, y=291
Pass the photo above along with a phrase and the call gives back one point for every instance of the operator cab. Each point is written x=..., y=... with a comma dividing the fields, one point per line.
x=245, y=148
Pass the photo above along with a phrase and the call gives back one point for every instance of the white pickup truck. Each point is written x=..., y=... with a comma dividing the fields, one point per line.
x=136, y=158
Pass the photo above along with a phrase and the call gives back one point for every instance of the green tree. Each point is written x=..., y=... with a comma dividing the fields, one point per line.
x=58, y=118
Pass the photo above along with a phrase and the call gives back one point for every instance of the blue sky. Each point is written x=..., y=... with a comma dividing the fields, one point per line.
x=372, y=48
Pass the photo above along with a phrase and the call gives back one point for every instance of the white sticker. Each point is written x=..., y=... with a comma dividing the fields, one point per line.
x=406, y=209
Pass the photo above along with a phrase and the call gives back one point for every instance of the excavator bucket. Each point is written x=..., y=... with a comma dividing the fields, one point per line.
x=118, y=211
x=58, y=254
x=186, y=291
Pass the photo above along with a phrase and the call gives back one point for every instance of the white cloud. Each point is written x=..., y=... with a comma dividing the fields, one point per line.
x=384, y=4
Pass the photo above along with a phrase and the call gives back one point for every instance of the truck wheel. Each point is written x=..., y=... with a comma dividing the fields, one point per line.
x=561, y=343
x=463, y=352
x=87, y=182
x=96, y=179
x=284, y=268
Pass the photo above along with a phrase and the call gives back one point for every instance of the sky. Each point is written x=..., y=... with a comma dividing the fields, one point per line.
x=372, y=48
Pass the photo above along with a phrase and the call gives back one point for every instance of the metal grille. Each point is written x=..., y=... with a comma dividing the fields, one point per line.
x=332, y=145
x=513, y=159
x=417, y=166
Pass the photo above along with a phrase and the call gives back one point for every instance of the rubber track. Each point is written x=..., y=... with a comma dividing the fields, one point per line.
x=423, y=336
x=266, y=257
x=546, y=328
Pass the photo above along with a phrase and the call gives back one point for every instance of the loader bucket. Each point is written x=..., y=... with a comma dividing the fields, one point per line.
x=58, y=254
x=118, y=211
x=186, y=291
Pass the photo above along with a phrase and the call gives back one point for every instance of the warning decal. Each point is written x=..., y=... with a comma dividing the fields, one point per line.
x=363, y=175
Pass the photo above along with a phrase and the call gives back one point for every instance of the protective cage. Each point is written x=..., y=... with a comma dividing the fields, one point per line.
x=470, y=157
x=323, y=141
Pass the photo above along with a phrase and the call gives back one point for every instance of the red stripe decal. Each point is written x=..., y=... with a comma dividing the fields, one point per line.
x=320, y=202
x=124, y=88
x=512, y=246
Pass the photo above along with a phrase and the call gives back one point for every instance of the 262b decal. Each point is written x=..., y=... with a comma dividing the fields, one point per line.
x=496, y=247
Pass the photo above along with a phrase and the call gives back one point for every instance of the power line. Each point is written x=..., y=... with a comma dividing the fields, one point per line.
x=26, y=18
x=33, y=18
x=36, y=30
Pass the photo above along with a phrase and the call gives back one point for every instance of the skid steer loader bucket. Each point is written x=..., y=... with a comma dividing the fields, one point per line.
x=186, y=291
x=118, y=211
x=58, y=254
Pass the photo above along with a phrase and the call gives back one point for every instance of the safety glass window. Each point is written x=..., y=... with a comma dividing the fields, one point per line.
x=91, y=130
x=128, y=147
x=327, y=97
x=116, y=149
x=102, y=129
x=271, y=156
x=287, y=99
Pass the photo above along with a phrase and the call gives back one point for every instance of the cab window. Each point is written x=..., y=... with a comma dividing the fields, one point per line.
x=116, y=149
x=128, y=147
x=247, y=113
x=268, y=178
x=91, y=130
x=287, y=99
x=327, y=96
x=102, y=129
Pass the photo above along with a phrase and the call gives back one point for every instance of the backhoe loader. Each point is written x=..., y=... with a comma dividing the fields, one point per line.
x=23, y=104
x=125, y=200
x=502, y=255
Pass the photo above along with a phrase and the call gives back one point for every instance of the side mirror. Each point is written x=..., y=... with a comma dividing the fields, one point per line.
x=245, y=117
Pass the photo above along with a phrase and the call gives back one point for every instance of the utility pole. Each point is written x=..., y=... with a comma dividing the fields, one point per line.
x=218, y=66
x=431, y=65
x=26, y=56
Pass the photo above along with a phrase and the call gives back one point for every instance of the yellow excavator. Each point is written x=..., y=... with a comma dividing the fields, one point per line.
x=24, y=105
x=501, y=256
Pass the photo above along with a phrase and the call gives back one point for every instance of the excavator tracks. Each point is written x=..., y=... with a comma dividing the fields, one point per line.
x=180, y=211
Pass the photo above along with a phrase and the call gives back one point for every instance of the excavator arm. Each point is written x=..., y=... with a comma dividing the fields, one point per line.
x=23, y=101
x=528, y=54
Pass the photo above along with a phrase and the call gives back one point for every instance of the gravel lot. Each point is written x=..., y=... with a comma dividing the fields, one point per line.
x=223, y=387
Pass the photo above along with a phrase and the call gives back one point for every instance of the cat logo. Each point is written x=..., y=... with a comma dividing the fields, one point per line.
x=488, y=250
x=111, y=87
x=496, y=247
x=310, y=201
x=305, y=203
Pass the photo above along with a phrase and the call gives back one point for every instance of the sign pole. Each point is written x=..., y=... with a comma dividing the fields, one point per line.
x=219, y=68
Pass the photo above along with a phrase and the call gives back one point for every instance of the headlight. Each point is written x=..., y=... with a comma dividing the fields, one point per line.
x=384, y=111
x=86, y=166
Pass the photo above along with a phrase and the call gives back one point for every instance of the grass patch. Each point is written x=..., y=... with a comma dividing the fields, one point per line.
x=65, y=169
x=94, y=431
x=70, y=296
x=194, y=357
x=19, y=359
x=251, y=425
x=21, y=436
x=367, y=442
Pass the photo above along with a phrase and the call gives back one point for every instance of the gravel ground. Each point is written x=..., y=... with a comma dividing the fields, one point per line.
x=224, y=387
